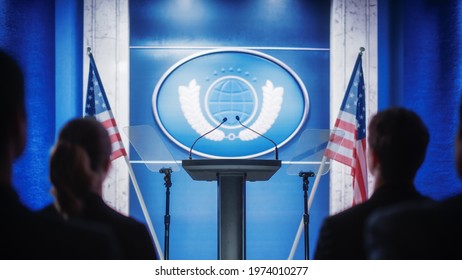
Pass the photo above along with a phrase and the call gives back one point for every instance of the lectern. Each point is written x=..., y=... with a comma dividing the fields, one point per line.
x=231, y=176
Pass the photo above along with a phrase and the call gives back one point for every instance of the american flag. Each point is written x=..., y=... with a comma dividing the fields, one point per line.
x=347, y=144
x=97, y=106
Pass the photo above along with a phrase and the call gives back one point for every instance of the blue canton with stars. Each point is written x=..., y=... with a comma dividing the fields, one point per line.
x=96, y=97
x=355, y=103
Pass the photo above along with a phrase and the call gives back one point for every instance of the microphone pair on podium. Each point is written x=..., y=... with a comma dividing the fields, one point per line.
x=239, y=120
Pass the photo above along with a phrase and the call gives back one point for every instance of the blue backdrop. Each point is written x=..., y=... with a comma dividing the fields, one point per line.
x=165, y=32
x=420, y=68
x=28, y=34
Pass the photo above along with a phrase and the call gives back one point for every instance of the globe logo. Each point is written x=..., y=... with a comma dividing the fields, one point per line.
x=196, y=94
x=230, y=97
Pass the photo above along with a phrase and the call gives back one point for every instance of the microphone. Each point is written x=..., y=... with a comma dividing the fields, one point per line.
x=275, y=146
x=190, y=150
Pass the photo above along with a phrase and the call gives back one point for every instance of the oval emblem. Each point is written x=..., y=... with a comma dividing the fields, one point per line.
x=199, y=92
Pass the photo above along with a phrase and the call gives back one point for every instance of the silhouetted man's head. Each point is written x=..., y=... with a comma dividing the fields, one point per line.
x=398, y=140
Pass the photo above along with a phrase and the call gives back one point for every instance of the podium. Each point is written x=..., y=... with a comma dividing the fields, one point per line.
x=231, y=176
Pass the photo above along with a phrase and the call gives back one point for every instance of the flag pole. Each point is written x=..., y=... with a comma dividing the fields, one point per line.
x=310, y=201
x=144, y=209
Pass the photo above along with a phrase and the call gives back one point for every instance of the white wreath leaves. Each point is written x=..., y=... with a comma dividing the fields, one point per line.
x=272, y=102
x=190, y=105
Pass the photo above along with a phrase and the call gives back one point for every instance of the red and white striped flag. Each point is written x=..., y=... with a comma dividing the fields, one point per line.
x=97, y=106
x=347, y=144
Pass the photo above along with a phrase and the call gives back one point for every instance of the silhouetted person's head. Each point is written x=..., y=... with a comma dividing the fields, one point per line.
x=88, y=136
x=12, y=113
x=71, y=176
x=398, y=141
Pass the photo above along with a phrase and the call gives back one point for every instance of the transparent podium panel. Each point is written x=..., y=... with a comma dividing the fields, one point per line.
x=310, y=149
x=150, y=147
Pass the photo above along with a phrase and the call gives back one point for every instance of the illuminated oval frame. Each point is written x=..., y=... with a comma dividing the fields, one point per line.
x=224, y=50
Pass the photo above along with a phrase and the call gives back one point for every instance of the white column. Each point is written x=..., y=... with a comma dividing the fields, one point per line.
x=106, y=33
x=353, y=25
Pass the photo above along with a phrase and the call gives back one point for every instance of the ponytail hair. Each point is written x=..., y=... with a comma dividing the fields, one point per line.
x=71, y=176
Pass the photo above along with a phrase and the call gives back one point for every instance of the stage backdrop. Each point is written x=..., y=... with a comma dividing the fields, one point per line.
x=420, y=68
x=268, y=63
x=27, y=33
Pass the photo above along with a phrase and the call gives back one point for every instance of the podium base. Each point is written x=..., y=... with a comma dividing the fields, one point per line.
x=231, y=217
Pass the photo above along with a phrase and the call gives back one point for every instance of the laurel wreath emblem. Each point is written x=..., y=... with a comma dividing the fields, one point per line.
x=190, y=105
x=272, y=101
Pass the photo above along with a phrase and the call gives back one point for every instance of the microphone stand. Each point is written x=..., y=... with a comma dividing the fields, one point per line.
x=168, y=184
x=306, y=216
x=258, y=133
x=216, y=127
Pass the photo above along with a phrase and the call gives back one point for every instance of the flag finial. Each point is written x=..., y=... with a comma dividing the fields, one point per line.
x=88, y=51
x=361, y=50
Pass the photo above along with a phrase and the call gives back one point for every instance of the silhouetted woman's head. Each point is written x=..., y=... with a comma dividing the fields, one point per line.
x=79, y=162
x=71, y=176
x=89, y=134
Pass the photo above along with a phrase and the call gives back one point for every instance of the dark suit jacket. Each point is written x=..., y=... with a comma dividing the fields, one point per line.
x=132, y=236
x=27, y=235
x=342, y=235
x=431, y=231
